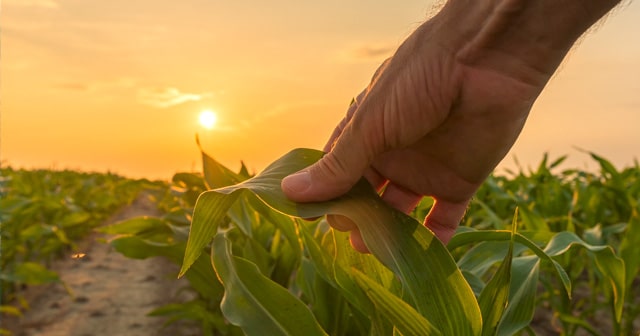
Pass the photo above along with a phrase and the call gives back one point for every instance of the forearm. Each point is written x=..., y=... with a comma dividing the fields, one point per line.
x=519, y=35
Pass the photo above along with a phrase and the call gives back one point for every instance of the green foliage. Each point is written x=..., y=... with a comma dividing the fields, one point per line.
x=595, y=210
x=43, y=213
x=255, y=266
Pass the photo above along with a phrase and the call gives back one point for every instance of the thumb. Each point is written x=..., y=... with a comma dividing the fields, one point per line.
x=338, y=170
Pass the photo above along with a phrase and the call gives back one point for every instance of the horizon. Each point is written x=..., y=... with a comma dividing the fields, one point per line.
x=119, y=86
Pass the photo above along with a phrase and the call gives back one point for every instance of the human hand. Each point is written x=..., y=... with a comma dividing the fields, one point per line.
x=440, y=114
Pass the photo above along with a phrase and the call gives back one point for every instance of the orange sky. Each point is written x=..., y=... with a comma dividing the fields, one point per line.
x=118, y=85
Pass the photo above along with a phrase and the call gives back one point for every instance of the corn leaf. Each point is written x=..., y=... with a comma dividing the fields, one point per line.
x=255, y=303
x=469, y=236
x=204, y=224
x=630, y=248
x=522, y=297
x=611, y=266
x=135, y=226
x=215, y=174
x=31, y=273
x=334, y=274
x=401, y=243
x=493, y=299
x=405, y=319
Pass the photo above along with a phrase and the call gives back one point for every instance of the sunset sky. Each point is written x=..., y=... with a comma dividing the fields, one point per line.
x=119, y=85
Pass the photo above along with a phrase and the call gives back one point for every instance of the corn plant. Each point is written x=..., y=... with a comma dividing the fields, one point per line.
x=43, y=213
x=258, y=265
x=410, y=270
x=601, y=209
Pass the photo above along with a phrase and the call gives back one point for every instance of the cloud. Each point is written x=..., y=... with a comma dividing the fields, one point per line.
x=372, y=51
x=155, y=96
x=32, y=3
x=366, y=52
x=167, y=97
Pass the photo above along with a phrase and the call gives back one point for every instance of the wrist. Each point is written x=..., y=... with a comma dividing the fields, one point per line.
x=522, y=38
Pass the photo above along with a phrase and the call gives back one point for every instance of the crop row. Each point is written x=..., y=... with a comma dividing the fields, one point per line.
x=564, y=242
x=43, y=214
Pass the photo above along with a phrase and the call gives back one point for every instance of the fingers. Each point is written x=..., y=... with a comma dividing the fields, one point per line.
x=357, y=242
x=341, y=223
x=444, y=218
x=400, y=198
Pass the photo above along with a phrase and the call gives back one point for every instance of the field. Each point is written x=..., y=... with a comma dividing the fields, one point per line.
x=543, y=251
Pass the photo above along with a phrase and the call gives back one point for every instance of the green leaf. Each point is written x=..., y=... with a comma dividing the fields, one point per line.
x=334, y=274
x=282, y=222
x=31, y=273
x=255, y=303
x=522, y=297
x=211, y=209
x=75, y=218
x=607, y=167
x=10, y=310
x=469, y=236
x=579, y=322
x=485, y=254
x=630, y=248
x=134, y=226
x=406, y=319
x=401, y=243
x=188, y=180
x=347, y=258
x=611, y=266
x=493, y=299
x=215, y=174
x=532, y=221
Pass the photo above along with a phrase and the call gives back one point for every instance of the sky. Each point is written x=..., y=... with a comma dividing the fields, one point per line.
x=118, y=85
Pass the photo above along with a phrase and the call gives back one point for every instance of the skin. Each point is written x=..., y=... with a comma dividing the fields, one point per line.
x=443, y=111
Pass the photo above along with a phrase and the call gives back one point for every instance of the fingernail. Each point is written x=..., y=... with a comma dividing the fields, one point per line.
x=298, y=182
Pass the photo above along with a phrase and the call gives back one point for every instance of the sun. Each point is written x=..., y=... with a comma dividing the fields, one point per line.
x=208, y=119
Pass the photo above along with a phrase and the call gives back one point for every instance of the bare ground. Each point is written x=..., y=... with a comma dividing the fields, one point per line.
x=110, y=294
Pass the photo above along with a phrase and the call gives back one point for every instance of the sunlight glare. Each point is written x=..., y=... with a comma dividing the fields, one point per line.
x=208, y=119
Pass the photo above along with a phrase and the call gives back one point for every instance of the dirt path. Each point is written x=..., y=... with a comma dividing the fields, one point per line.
x=111, y=294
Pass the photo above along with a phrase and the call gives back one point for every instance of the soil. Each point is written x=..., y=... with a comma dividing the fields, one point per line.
x=109, y=293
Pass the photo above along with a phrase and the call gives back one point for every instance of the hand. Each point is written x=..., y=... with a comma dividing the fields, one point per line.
x=437, y=117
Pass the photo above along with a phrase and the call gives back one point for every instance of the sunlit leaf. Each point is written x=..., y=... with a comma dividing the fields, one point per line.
x=630, y=249
x=31, y=273
x=134, y=226
x=10, y=310
x=470, y=236
x=404, y=317
x=255, y=303
x=215, y=174
x=522, y=296
x=605, y=259
x=205, y=222
x=493, y=299
x=397, y=240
